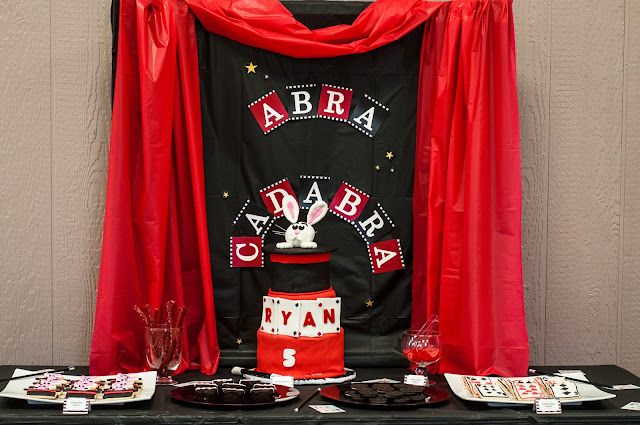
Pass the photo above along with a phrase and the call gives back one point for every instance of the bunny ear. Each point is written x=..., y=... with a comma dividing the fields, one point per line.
x=290, y=208
x=317, y=211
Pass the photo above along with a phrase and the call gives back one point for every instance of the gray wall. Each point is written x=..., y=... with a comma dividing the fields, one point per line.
x=579, y=86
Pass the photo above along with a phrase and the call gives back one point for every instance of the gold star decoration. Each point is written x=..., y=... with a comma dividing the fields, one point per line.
x=266, y=76
x=251, y=68
x=225, y=194
x=238, y=341
x=377, y=167
x=369, y=302
x=389, y=155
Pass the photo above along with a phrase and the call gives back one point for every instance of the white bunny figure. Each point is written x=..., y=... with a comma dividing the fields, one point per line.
x=300, y=234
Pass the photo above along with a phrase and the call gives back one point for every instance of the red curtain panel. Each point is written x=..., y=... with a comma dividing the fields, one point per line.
x=155, y=245
x=467, y=194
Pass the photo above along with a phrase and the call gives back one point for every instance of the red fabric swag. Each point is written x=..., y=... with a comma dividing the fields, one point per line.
x=467, y=194
x=155, y=244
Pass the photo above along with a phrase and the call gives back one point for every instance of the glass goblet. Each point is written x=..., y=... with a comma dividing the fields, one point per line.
x=423, y=349
x=163, y=349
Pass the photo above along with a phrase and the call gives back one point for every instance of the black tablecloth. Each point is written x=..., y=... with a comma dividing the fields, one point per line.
x=161, y=409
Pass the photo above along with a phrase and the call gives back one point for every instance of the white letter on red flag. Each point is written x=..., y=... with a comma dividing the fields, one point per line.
x=386, y=256
x=269, y=111
x=348, y=202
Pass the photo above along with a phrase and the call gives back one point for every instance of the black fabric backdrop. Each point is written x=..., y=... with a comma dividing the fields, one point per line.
x=240, y=159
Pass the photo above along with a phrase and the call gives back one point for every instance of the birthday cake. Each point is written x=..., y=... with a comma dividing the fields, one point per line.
x=300, y=333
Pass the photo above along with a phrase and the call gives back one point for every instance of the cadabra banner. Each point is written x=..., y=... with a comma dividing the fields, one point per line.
x=340, y=130
x=349, y=203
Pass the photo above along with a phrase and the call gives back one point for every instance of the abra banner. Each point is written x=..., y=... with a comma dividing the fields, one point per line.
x=341, y=130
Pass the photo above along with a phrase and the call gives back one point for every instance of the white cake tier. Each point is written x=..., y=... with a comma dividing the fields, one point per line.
x=296, y=318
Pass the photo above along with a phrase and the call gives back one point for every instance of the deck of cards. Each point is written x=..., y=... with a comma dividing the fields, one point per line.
x=526, y=389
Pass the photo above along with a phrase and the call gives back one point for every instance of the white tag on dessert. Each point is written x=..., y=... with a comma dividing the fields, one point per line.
x=76, y=406
x=419, y=380
x=381, y=381
x=194, y=383
x=326, y=408
x=548, y=406
x=310, y=318
x=330, y=315
x=269, y=315
x=284, y=380
x=287, y=317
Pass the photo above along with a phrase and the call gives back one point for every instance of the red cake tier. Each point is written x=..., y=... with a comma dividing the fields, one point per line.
x=303, y=357
x=327, y=293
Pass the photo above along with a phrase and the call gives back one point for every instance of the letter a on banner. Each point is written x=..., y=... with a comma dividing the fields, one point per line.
x=246, y=251
x=253, y=220
x=368, y=115
x=386, y=256
x=313, y=189
x=269, y=112
x=348, y=203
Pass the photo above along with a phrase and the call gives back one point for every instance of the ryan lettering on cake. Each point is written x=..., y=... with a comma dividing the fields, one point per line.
x=296, y=318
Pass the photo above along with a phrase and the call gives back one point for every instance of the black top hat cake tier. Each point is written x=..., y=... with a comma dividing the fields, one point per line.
x=299, y=270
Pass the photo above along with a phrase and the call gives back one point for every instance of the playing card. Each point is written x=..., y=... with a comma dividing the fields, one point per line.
x=565, y=390
x=526, y=388
x=287, y=317
x=561, y=388
x=634, y=405
x=625, y=387
x=269, y=315
x=330, y=314
x=491, y=390
x=310, y=321
x=471, y=382
x=326, y=408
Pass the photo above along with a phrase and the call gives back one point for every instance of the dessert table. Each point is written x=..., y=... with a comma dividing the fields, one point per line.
x=161, y=409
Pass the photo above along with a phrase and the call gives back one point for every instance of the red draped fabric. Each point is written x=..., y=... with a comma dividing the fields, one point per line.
x=467, y=258
x=155, y=244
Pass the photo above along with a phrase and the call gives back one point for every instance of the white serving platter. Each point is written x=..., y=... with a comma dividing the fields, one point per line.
x=16, y=388
x=587, y=392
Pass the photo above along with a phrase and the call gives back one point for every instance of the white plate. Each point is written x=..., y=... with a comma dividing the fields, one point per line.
x=587, y=393
x=16, y=388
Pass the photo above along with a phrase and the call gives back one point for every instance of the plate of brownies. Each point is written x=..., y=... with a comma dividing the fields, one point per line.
x=100, y=390
x=384, y=395
x=228, y=394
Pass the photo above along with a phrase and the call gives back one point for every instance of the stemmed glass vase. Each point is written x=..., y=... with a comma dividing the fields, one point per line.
x=422, y=349
x=163, y=351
